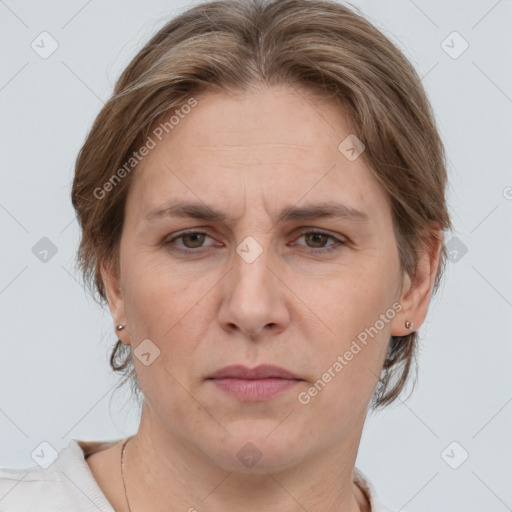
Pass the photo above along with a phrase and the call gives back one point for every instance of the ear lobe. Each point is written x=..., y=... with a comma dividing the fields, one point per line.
x=417, y=290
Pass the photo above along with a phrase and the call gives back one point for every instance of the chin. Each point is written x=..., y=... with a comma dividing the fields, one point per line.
x=257, y=452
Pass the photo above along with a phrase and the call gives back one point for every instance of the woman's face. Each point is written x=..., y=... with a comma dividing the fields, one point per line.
x=252, y=287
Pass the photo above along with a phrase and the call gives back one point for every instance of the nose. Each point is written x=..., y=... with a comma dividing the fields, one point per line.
x=254, y=296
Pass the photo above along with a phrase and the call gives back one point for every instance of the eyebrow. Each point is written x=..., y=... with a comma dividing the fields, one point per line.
x=201, y=211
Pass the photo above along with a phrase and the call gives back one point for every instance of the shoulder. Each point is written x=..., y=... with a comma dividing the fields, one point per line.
x=64, y=484
x=29, y=489
x=364, y=483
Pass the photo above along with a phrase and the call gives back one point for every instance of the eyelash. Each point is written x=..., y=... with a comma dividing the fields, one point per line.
x=322, y=250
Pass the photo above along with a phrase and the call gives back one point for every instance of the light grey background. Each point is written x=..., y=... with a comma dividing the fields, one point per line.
x=55, y=378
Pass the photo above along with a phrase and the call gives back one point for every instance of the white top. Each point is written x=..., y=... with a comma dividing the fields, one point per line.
x=68, y=484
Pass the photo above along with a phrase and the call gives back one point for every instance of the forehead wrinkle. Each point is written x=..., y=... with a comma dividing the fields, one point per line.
x=227, y=147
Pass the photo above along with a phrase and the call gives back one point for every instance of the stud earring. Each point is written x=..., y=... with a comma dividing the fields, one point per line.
x=120, y=327
x=408, y=325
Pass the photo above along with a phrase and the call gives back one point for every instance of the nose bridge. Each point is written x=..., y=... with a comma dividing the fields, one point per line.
x=251, y=261
x=251, y=299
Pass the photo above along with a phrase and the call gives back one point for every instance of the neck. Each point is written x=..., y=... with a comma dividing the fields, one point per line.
x=161, y=470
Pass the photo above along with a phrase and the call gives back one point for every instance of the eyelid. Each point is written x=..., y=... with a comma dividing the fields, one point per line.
x=336, y=236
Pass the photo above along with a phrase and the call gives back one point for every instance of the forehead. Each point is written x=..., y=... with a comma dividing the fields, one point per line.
x=278, y=144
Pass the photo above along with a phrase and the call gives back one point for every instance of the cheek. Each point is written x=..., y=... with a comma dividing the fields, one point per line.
x=173, y=311
x=347, y=376
x=158, y=292
x=351, y=299
x=358, y=309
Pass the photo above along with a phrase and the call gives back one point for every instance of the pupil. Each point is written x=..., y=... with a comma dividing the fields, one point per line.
x=317, y=235
x=194, y=236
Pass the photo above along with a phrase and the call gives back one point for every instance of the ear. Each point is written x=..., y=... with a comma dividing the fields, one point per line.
x=116, y=302
x=417, y=290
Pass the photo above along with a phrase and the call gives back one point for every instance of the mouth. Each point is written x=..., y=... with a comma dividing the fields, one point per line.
x=263, y=371
x=253, y=384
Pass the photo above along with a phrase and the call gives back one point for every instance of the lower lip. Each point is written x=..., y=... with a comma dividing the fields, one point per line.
x=255, y=390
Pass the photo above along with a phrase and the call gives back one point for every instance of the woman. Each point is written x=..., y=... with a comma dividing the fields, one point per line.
x=262, y=204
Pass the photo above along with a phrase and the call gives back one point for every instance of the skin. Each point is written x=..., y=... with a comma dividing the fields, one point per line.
x=250, y=156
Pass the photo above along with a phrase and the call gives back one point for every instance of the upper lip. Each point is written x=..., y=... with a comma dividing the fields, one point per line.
x=264, y=371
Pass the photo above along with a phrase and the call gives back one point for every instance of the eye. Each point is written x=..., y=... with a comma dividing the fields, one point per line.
x=318, y=239
x=191, y=240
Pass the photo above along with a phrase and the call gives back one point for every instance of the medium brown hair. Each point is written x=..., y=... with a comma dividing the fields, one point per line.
x=235, y=45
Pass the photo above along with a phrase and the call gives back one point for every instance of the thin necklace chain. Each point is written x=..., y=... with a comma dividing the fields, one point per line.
x=122, y=473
